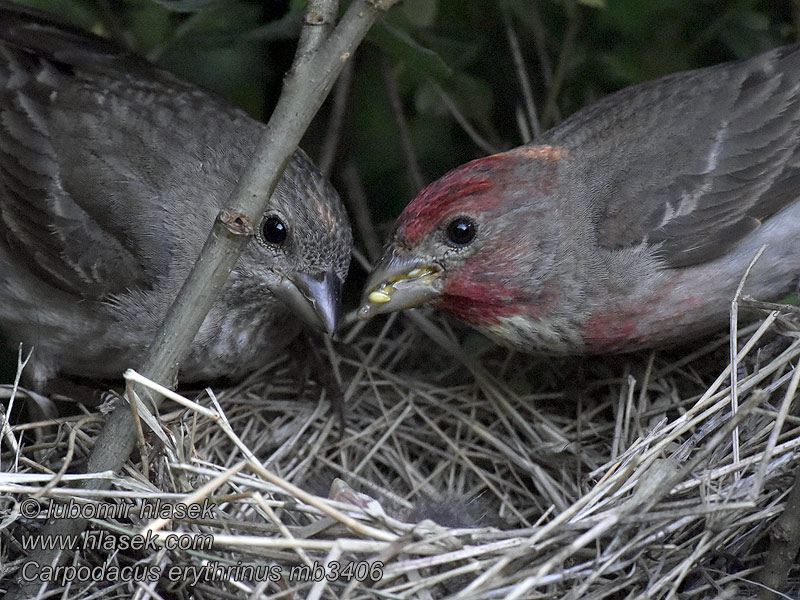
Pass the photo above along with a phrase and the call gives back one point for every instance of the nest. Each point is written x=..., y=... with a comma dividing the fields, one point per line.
x=462, y=471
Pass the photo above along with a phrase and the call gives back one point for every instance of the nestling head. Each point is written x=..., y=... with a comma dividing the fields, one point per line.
x=302, y=245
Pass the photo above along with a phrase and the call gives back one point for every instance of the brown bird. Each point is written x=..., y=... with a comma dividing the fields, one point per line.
x=112, y=172
x=627, y=226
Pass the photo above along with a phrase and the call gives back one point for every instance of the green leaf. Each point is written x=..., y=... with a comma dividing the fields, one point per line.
x=285, y=28
x=73, y=12
x=473, y=97
x=420, y=13
x=150, y=25
x=237, y=23
x=194, y=5
x=397, y=43
x=793, y=298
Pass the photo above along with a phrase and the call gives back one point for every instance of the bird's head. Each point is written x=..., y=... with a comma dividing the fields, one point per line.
x=476, y=243
x=302, y=245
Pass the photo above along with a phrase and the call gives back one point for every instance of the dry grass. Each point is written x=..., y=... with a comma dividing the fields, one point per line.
x=582, y=479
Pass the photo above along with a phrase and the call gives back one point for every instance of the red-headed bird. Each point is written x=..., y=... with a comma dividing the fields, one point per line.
x=629, y=225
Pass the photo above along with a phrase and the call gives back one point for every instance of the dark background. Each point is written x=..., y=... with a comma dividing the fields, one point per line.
x=574, y=53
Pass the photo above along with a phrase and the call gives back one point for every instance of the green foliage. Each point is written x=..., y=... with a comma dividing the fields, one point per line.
x=192, y=5
x=241, y=49
x=418, y=59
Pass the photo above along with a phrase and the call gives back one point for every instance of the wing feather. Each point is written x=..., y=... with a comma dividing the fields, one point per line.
x=695, y=161
x=39, y=221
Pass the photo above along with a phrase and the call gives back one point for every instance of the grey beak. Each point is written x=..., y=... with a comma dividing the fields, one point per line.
x=314, y=298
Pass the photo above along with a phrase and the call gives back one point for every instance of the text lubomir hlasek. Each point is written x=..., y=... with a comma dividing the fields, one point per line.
x=148, y=509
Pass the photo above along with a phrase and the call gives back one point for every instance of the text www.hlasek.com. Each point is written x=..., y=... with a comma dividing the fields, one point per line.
x=103, y=540
x=151, y=542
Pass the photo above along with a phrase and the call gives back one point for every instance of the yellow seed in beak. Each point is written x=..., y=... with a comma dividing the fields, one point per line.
x=378, y=297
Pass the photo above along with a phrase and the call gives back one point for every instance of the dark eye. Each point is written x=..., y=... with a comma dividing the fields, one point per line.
x=461, y=231
x=274, y=231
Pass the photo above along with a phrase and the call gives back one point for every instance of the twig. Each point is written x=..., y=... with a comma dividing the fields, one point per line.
x=406, y=145
x=341, y=94
x=318, y=23
x=734, y=334
x=750, y=302
x=783, y=412
x=67, y=459
x=133, y=400
x=564, y=57
x=540, y=41
x=522, y=75
x=5, y=428
x=784, y=544
x=473, y=134
x=525, y=133
x=356, y=200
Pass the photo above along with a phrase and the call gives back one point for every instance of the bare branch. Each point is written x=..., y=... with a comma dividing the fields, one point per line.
x=522, y=74
x=406, y=145
x=357, y=204
x=783, y=547
x=341, y=94
x=473, y=134
x=318, y=23
x=567, y=45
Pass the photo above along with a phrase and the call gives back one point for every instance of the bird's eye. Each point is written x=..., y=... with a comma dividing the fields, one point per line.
x=461, y=231
x=274, y=231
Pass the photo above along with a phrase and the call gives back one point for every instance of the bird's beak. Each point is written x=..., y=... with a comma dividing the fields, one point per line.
x=399, y=282
x=314, y=298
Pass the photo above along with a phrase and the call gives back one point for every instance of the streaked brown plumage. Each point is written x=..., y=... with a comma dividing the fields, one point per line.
x=111, y=174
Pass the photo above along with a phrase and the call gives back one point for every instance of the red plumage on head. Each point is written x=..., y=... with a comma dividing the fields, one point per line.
x=463, y=188
x=472, y=188
x=476, y=290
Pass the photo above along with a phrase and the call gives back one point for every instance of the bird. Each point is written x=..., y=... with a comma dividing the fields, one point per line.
x=627, y=226
x=112, y=172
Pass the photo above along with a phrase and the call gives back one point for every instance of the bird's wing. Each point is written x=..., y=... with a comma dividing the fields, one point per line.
x=41, y=223
x=695, y=161
x=107, y=163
